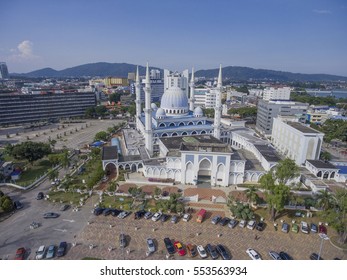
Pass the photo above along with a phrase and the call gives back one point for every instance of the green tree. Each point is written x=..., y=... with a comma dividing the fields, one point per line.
x=53, y=174
x=325, y=199
x=157, y=191
x=252, y=195
x=114, y=97
x=242, y=211
x=208, y=112
x=286, y=170
x=325, y=156
x=6, y=203
x=101, y=135
x=100, y=110
x=31, y=151
x=243, y=89
x=64, y=159
x=90, y=112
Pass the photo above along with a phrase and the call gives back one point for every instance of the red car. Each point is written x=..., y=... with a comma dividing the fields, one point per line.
x=20, y=253
x=322, y=229
x=179, y=248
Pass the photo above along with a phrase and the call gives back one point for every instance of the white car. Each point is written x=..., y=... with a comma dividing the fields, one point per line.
x=186, y=217
x=40, y=253
x=251, y=224
x=253, y=254
x=201, y=251
x=304, y=227
x=156, y=216
x=150, y=245
x=242, y=223
x=123, y=214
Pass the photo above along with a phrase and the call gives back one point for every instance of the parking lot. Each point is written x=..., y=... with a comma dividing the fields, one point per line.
x=100, y=239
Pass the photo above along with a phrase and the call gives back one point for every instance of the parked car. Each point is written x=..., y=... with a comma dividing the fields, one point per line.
x=98, y=210
x=215, y=220
x=224, y=221
x=315, y=257
x=64, y=207
x=156, y=216
x=169, y=246
x=174, y=219
x=285, y=227
x=212, y=251
x=201, y=251
x=115, y=212
x=223, y=252
x=40, y=253
x=314, y=228
x=322, y=229
x=164, y=217
x=150, y=245
x=50, y=252
x=123, y=214
x=62, y=249
x=107, y=211
x=304, y=227
x=40, y=196
x=285, y=256
x=242, y=223
x=232, y=223
x=295, y=228
x=260, y=226
x=148, y=215
x=253, y=254
x=179, y=248
x=17, y=205
x=34, y=225
x=191, y=250
x=20, y=254
x=186, y=217
x=139, y=214
x=49, y=215
x=122, y=241
x=275, y=255
x=251, y=224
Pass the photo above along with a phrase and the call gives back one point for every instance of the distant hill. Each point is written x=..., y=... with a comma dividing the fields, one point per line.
x=246, y=73
x=104, y=69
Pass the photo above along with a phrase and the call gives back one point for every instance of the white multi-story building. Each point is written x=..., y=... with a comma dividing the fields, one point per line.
x=295, y=140
x=276, y=93
x=204, y=98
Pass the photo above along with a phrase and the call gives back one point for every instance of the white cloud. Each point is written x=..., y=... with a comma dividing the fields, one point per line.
x=24, y=51
x=322, y=12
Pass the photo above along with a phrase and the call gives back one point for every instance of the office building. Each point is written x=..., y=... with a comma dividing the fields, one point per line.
x=3, y=71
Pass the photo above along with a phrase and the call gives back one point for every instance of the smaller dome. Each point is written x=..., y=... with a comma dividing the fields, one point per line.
x=154, y=107
x=160, y=114
x=198, y=112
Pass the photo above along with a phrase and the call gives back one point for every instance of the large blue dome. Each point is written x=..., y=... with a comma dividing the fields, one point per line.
x=174, y=102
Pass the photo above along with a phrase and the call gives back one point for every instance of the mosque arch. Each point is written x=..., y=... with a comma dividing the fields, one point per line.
x=177, y=163
x=162, y=173
x=190, y=123
x=178, y=176
x=220, y=173
x=164, y=135
x=189, y=173
x=194, y=132
x=170, y=174
x=171, y=124
x=162, y=125
x=319, y=174
x=181, y=124
x=199, y=123
x=203, y=132
x=332, y=175
x=156, y=172
x=184, y=133
x=204, y=173
x=174, y=134
x=149, y=171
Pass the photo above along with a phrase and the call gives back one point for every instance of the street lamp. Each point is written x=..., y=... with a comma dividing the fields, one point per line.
x=323, y=237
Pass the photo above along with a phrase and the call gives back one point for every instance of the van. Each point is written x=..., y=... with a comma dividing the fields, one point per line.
x=201, y=215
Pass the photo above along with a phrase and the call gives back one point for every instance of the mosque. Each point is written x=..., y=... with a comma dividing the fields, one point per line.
x=183, y=145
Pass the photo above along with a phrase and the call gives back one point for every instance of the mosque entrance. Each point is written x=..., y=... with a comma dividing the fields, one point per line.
x=204, y=173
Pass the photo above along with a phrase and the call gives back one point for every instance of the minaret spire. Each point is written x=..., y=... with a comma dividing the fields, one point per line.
x=192, y=88
x=148, y=114
x=218, y=108
x=138, y=97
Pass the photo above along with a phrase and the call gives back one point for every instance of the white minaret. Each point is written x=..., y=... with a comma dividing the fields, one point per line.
x=148, y=114
x=192, y=88
x=218, y=108
x=138, y=97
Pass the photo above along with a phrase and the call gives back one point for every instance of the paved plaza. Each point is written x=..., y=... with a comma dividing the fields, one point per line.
x=103, y=232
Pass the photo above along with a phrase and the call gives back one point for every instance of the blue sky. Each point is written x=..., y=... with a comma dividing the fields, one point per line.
x=305, y=36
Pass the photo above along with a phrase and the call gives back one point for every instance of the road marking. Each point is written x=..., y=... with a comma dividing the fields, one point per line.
x=58, y=229
x=71, y=221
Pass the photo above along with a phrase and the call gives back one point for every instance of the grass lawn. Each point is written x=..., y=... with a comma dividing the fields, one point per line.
x=33, y=172
x=117, y=202
x=66, y=197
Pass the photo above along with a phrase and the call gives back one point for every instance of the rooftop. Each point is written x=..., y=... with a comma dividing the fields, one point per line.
x=268, y=152
x=303, y=128
x=109, y=153
x=322, y=164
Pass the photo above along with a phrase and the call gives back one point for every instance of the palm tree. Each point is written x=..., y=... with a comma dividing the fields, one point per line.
x=325, y=199
x=252, y=195
x=53, y=174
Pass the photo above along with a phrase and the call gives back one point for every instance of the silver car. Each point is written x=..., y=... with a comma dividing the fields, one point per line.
x=150, y=245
